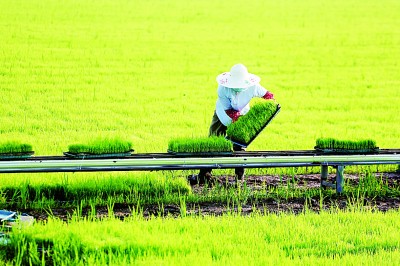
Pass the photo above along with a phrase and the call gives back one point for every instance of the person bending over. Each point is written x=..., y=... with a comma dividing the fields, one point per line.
x=235, y=90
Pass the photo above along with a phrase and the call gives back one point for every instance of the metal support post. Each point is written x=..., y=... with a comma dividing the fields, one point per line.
x=339, y=178
x=324, y=176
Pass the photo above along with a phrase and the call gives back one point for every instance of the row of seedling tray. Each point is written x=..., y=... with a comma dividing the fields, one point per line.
x=215, y=144
x=97, y=148
x=241, y=133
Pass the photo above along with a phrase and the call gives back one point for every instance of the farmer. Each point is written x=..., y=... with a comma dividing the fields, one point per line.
x=235, y=90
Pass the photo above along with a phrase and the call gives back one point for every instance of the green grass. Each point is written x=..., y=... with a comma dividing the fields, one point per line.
x=205, y=144
x=332, y=66
x=248, y=126
x=15, y=147
x=335, y=144
x=149, y=188
x=89, y=189
x=286, y=239
x=102, y=146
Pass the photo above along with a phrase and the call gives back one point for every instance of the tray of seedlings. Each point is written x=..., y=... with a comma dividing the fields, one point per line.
x=100, y=148
x=206, y=146
x=249, y=126
x=335, y=146
x=11, y=150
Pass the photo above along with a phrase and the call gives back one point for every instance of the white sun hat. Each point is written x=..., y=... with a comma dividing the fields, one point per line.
x=237, y=78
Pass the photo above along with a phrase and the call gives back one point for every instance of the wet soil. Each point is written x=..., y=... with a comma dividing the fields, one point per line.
x=263, y=206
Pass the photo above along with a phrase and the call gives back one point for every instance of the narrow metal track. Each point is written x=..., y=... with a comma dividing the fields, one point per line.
x=174, y=162
x=167, y=161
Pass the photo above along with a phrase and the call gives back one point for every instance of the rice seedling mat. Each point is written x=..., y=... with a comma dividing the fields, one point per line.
x=244, y=145
x=347, y=151
x=15, y=150
x=335, y=146
x=202, y=146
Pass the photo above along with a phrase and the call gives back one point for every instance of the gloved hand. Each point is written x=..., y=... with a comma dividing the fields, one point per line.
x=269, y=96
x=233, y=114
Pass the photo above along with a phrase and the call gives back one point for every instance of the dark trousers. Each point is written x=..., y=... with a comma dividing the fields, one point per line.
x=219, y=129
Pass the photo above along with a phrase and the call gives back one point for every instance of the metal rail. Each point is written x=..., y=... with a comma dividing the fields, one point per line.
x=179, y=163
x=164, y=161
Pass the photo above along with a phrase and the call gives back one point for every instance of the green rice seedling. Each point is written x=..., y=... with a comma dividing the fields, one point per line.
x=334, y=144
x=206, y=144
x=148, y=188
x=246, y=128
x=361, y=235
x=102, y=146
x=15, y=147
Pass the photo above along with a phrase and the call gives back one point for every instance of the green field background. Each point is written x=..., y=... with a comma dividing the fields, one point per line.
x=145, y=70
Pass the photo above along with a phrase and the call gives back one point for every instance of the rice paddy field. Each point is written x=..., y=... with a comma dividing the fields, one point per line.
x=145, y=72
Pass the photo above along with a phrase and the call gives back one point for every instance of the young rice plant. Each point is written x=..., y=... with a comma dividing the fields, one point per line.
x=248, y=126
x=15, y=147
x=334, y=144
x=102, y=146
x=207, y=144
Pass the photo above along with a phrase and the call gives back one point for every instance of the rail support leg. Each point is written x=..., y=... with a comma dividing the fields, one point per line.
x=324, y=176
x=339, y=178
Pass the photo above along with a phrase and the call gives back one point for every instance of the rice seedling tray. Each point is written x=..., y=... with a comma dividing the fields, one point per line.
x=200, y=146
x=7, y=215
x=205, y=154
x=347, y=151
x=336, y=146
x=244, y=145
x=16, y=155
x=95, y=156
x=10, y=218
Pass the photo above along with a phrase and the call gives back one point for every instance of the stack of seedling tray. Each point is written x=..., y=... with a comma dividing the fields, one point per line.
x=334, y=146
x=249, y=126
x=15, y=150
x=9, y=218
x=101, y=148
x=203, y=146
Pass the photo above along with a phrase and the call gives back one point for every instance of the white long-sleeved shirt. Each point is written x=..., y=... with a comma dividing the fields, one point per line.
x=239, y=101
